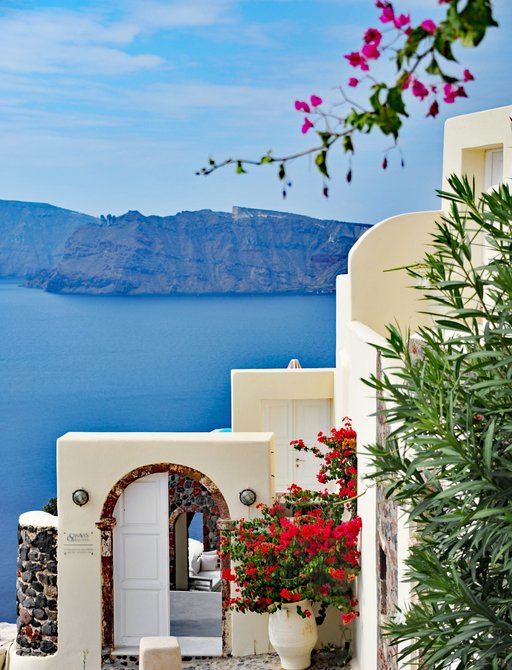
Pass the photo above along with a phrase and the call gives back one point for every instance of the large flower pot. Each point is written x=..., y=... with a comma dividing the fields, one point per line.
x=292, y=636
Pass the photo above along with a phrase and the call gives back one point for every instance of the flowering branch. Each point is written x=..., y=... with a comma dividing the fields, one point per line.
x=304, y=549
x=421, y=54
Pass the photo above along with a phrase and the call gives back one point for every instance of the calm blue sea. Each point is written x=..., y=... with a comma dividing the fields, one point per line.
x=151, y=363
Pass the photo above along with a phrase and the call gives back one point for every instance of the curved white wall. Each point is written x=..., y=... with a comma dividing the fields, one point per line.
x=378, y=297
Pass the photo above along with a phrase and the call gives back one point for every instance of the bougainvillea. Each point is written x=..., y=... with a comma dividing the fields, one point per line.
x=425, y=69
x=305, y=546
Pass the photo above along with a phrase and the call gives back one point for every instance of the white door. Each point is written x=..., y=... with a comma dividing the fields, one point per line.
x=290, y=420
x=141, y=561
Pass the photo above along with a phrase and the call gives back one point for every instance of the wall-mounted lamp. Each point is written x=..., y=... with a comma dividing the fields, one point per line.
x=247, y=497
x=80, y=497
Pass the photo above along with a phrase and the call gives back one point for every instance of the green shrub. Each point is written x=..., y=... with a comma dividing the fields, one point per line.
x=51, y=506
x=448, y=459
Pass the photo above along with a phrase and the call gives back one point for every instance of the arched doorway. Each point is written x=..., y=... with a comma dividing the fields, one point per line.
x=139, y=552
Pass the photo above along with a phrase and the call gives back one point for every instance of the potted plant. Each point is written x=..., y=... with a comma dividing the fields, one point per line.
x=300, y=550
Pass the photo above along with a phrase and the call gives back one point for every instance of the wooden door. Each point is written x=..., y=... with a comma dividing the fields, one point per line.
x=309, y=417
x=141, y=561
x=290, y=420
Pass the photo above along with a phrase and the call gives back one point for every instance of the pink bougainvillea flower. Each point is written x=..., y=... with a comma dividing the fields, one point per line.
x=468, y=76
x=419, y=90
x=407, y=82
x=357, y=60
x=370, y=51
x=387, y=15
x=449, y=94
x=302, y=106
x=306, y=125
x=315, y=100
x=433, y=109
x=429, y=26
x=372, y=36
x=401, y=20
x=353, y=82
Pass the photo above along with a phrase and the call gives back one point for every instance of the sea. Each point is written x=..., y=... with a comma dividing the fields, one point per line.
x=89, y=363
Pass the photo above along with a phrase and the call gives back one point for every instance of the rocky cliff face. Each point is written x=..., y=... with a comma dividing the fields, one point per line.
x=251, y=251
x=32, y=236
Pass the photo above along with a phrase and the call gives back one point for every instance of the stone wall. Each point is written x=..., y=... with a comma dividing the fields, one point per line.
x=187, y=495
x=36, y=591
x=387, y=559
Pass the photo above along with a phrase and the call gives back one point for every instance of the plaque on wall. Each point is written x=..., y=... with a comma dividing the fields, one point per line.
x=78, y=543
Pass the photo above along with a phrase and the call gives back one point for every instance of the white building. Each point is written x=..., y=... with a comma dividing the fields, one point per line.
x=99, y=576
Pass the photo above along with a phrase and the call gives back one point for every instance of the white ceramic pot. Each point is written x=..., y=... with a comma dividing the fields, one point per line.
x=293, y=637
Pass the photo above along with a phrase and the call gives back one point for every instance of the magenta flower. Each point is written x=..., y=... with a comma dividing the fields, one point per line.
x=419, y=90
x=387, y=15
x=402, y=20
x=370, y=51
x=373, y=36
x=356, y=60
x=433, y=109
x=429, y=26
x=306, y=125
x=468, y=76
x=449, y=94
x=407, y=82
x=302, y=106
x=315, y=100
x=353, y=82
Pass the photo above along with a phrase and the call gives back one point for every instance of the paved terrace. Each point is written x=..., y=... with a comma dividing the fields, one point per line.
x=320, y=660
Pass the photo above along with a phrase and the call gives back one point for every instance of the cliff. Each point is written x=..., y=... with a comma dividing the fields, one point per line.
x=248, y=251
x=33, y=235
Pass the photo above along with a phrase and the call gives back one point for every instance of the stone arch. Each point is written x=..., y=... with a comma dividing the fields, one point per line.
x=106, y=525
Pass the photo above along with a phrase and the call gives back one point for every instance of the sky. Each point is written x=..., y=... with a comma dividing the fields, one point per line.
x=112, y=106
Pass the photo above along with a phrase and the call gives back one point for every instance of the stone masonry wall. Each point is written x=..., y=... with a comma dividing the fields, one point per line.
x=187, y=495
x=36, y=591
x=387, y=560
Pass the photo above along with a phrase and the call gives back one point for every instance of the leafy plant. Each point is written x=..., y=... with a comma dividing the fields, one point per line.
x=301, y=549
x=51, y=506
x=423, y=59
x=448, y=458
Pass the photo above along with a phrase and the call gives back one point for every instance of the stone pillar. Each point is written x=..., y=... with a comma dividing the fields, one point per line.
x=36, y=591
x=225, y=563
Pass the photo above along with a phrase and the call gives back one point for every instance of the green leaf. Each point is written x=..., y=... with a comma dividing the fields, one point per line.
x=488, y=445
x=320, y=162
x=395, y=101
x=240, y=168
x=433, y=67
x=347, y=144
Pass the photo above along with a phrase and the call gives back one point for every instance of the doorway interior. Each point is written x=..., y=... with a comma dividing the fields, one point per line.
x=166, y=573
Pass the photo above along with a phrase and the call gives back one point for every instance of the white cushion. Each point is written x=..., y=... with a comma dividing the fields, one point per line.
x=195, y=549
x=209, y=562
x=195, y=565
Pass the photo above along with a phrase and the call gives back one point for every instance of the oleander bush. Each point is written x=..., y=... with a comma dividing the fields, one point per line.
x=448, y=459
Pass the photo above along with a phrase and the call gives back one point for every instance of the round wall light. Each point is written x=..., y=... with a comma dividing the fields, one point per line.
x=80, y=497
x=247, y=497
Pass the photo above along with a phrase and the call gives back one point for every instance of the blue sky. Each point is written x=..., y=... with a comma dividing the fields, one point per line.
x=110, y=106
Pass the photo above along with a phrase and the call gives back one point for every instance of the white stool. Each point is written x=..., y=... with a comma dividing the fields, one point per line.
x=159, y=653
